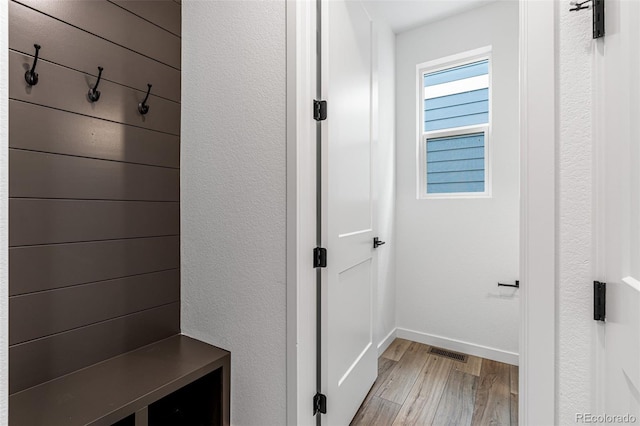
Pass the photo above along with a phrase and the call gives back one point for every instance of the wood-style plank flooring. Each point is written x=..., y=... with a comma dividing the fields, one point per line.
x=418, y=388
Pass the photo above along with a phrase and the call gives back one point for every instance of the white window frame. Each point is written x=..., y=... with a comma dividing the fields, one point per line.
x=452, y=61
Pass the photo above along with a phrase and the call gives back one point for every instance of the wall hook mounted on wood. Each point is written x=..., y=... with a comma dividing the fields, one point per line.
x=142, y=106
x=94, y=93
x=31, y=76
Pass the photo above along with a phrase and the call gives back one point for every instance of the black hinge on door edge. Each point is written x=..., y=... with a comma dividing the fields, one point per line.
x=319, y=110
x=319, y=404
x=599, y=300
x=319, y=257
x=598, y=18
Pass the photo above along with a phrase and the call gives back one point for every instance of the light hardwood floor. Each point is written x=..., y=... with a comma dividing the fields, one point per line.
x=418, y=388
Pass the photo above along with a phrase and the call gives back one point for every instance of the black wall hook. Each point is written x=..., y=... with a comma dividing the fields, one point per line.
x=142, y=106
x=579, y=5
x=94, y=93
x=31, y=76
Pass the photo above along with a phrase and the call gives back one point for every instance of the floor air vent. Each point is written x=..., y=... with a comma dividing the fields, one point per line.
x=448, y=354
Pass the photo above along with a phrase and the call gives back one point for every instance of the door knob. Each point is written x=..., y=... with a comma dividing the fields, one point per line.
x=377, y=243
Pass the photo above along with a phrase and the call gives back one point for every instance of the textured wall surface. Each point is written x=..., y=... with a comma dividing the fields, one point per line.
x=234, y=195
x=452, y=252
x=574, y=298
x=4, y=215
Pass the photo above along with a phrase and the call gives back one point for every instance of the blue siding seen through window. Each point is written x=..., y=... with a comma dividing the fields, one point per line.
x=455, y=164
x=457, y=109
x=464, y=109
x=453, y=98
x=457, y=73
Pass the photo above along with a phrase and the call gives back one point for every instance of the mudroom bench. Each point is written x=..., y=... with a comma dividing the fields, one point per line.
x=175, y=381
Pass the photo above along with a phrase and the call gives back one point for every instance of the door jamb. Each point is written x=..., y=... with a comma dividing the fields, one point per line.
x=301, y=211
x=537, y=393
x=4, y=214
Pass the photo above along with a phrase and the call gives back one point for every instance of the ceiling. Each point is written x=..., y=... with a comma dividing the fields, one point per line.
x=403, y=15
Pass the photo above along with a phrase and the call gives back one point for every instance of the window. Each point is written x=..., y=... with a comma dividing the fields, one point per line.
x=454, y=107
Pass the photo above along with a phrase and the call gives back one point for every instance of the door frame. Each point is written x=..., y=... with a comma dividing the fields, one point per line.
x=4, y=214
x=538, y=223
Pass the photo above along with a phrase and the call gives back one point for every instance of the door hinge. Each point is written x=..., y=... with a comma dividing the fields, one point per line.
x=319, y=257
x=319, y=110
x=599, y=300
x=598, y=18
x=319, y=404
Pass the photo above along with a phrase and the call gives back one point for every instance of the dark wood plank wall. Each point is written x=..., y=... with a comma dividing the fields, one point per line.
x=94, y=209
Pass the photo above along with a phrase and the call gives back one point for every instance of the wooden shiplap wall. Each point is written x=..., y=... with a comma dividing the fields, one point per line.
x=94, y=220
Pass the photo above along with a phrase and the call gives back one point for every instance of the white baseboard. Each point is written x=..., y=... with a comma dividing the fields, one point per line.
x=456, y=345
x=384, y=344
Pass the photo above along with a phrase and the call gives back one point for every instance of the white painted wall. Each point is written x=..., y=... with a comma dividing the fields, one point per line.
x=233, y=191
x=4, y=214
x=575, y=362
x=452, y=252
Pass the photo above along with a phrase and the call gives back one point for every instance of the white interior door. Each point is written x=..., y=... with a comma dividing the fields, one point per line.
x=617, y=161
x=349, y=357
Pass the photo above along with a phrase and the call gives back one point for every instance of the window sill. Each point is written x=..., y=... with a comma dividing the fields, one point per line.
x=458, y=196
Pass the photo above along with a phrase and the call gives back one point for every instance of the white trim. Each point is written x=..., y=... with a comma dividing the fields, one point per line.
x=456, y=87
x=458, y=59
x=384, y=344
x=458, y=346
x=538, y=275
x=301, y=207
x=4, y=213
